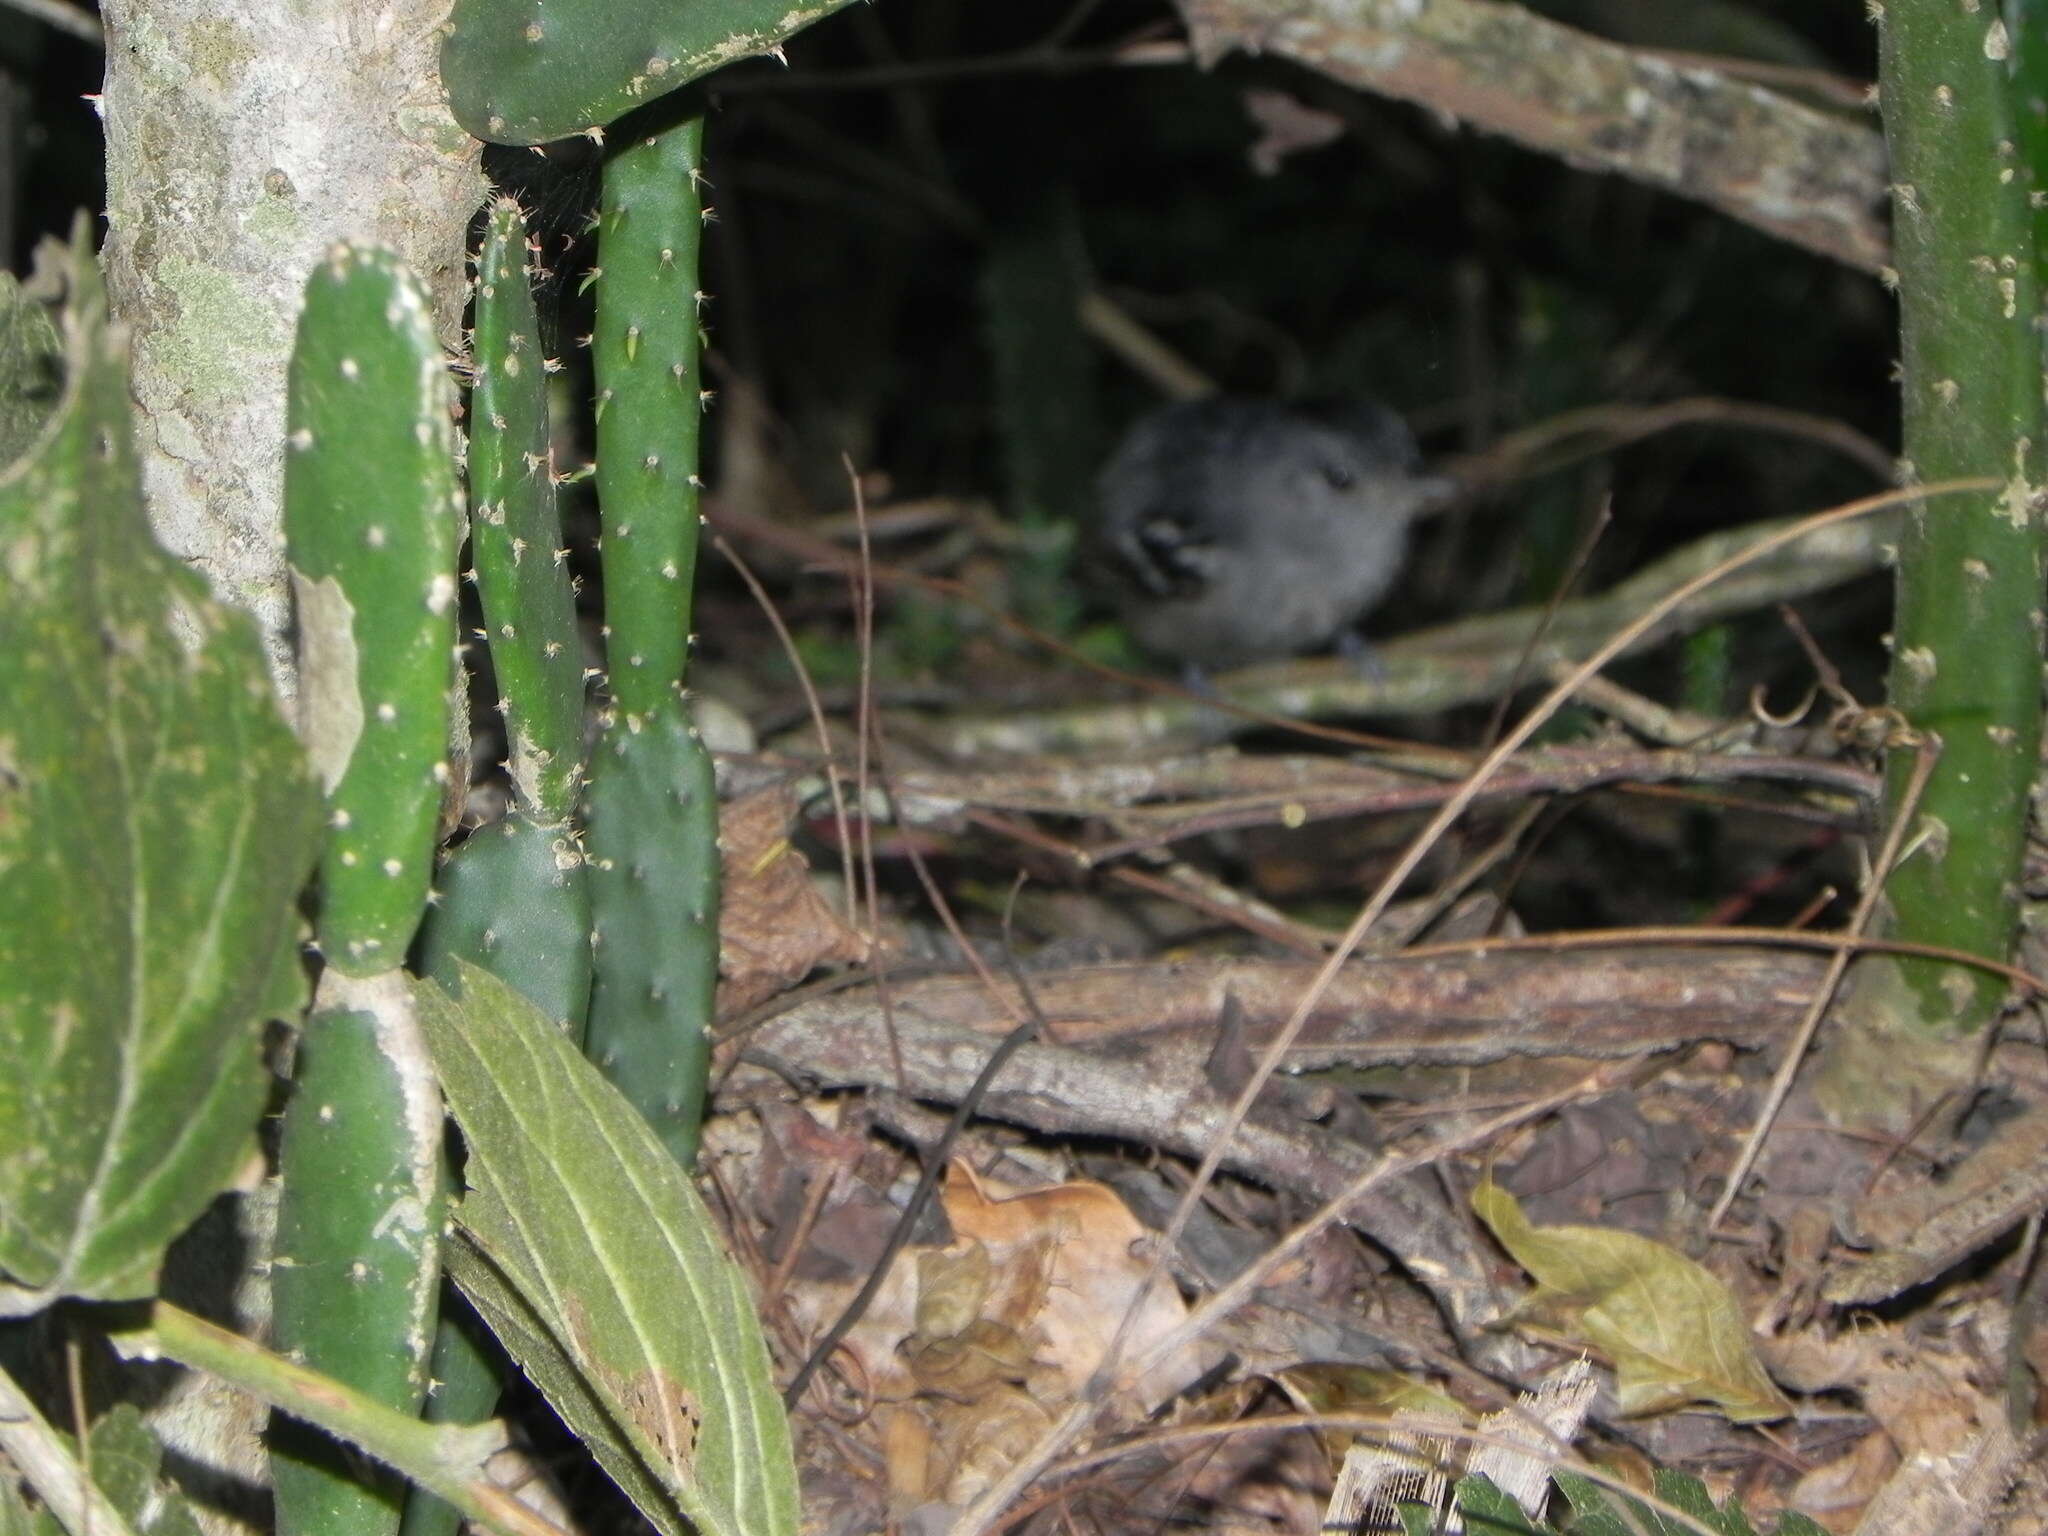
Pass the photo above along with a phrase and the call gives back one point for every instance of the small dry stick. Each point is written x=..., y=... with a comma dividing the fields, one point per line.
x=817, y=712
x=1754, y=938
x=1926, y=751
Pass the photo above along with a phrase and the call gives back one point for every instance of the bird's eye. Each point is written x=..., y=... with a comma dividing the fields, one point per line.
x=1339, y=478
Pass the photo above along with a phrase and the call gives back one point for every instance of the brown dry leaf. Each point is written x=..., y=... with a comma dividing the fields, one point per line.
x=1069, y=1260
x=1834, y=1493
x=983, y=1357
x=981, y=1343
x=1927, y=1404
x=907, y=1453
x=774, y=928
x=974, y=1444
x=971, y=1349
x=1923, y=1397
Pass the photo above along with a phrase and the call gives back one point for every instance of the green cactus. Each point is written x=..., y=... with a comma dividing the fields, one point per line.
x=372, y=522
x=1967, y=644
x=372, y=525
x=356, y=1272
x=651, y=811
x=652, y=814
x=512, y=898
x=519, y=72
x=645, y=347
x=516, y=533
x=466, y=1382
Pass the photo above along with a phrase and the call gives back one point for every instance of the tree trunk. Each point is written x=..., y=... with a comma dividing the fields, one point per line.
x=243, y=139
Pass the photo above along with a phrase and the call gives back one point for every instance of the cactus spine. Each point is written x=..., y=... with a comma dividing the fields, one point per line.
x=372, y=524
x=651, y=809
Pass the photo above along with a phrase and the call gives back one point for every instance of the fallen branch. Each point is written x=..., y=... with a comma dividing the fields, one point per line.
x=1135, y=1045
x=1806, y=176
x=1447, y=666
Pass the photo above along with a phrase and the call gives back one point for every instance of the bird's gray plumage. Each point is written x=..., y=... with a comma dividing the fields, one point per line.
x=1247, y=530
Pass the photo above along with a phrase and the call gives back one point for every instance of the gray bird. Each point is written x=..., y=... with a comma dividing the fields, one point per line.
x=1248, y=530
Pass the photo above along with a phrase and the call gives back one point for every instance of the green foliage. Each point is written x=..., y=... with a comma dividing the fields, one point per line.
x=1599, y=1511
x=524, y=72
x=372, y=521
x=17, y=1519
x=1672, y=1329
x=1489, y=1512
x=596, y=1263
x=127, y=1465
x=156, y=822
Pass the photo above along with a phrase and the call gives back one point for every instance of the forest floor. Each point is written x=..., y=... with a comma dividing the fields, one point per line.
x=1137, y=1103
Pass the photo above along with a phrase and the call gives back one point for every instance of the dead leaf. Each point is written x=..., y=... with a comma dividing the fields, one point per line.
x=1072, y=1257
x=984, y=1341
x=1671, y=1328
x=774, y=928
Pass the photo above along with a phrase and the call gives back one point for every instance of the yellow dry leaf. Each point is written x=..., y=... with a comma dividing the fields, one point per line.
x=1671, y=1329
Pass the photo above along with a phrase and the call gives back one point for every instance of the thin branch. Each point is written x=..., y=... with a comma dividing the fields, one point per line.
x=1570, y=436
x=52, y=1467
x=1035, y=60
x=1927, y=752
x=447, y=1459
x=935, y=1164
x=826, y=756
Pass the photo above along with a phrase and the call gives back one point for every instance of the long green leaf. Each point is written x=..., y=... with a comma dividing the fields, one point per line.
x=612, y=1260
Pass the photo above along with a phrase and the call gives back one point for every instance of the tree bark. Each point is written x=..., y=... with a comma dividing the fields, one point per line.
x=243, y=139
